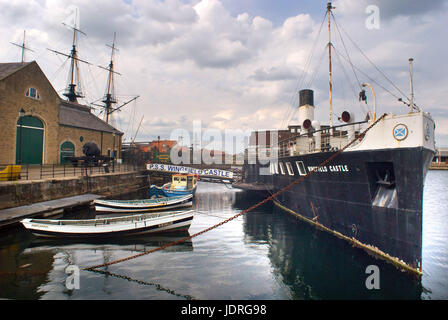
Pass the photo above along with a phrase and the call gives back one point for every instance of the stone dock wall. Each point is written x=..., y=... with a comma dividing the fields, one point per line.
x=20, y=193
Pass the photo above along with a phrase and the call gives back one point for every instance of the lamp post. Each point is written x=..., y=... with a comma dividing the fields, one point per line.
x=374, y=98
x=113, y=153
x=158, y=149
x=21, y=115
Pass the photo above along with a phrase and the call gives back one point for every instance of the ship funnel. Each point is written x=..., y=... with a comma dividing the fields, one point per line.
x=306, y=109
x=306, y=97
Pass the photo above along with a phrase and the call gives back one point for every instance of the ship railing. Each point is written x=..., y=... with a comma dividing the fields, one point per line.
x=48, y=171
x=332, y=139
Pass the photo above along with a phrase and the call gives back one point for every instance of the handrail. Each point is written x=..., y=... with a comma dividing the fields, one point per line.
x=322, y=130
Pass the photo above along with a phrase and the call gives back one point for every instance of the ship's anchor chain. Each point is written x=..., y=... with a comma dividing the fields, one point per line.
x=274, y=195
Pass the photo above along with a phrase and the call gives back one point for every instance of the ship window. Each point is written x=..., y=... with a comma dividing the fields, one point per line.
x=282, y=167
x=176, y=178
x=289, y=167
x=32, y=93
x=301, y=168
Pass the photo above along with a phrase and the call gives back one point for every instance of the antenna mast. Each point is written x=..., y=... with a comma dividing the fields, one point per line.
x=329, y=7
x=411, y=84
x=23, y=47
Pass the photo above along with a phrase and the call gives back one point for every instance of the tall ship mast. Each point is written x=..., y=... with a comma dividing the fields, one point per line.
x=109, y=99
x=361, y=181
x=73, y=90
x=23, y=47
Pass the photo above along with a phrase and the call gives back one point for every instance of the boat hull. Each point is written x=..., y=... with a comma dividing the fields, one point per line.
x=145, y=205
x=101, y=208
x=166, y=192
x=106, y=228
x=374, y=197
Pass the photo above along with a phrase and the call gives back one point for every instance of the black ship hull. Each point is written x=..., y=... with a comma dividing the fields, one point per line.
x=373, y=197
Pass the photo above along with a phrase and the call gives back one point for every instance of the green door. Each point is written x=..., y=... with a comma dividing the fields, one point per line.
x=30, y=141
x=67, y=150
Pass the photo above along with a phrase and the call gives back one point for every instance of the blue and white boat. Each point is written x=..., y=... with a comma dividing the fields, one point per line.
x=144, y=205
x=181, y=184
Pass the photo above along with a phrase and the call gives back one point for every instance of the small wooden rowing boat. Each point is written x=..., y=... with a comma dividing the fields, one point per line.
x=181, y=184
x=144, y=205
x=168, y=221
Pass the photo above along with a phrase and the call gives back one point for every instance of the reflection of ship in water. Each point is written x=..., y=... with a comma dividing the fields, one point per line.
x=315, y=266
x=214, y=197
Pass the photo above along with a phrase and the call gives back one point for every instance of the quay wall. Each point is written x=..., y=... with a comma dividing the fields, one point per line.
x=20, y=193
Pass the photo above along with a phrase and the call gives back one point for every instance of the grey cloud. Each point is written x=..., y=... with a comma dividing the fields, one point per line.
x=390, y=9
x=275, y=74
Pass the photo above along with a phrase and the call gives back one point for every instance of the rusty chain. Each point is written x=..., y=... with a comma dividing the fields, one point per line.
x=274, y=195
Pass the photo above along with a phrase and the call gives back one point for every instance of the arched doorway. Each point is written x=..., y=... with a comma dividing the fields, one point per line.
x=30, y=140
x=67, y=150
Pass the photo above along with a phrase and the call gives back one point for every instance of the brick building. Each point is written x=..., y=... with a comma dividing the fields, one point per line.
x=50, y=127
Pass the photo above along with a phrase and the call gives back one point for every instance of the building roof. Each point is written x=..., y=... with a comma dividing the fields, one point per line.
x=6, y=69
x=164, y=146
x=79, y=116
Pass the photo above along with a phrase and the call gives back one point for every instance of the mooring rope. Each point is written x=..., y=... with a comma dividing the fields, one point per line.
x=361, y=136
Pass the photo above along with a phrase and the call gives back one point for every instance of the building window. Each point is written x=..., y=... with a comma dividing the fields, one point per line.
x=301, y=168
x=32, y=93
x=282, y=167
x=289, y=167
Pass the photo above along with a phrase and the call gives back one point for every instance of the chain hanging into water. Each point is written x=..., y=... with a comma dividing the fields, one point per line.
x=361, y=136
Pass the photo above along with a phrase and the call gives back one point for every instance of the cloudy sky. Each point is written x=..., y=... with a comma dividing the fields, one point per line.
x=238, y=64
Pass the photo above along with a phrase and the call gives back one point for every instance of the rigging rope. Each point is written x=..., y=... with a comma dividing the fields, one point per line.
x=346, y=52
x=290, y=112
x=336, y=154
x=371, y=62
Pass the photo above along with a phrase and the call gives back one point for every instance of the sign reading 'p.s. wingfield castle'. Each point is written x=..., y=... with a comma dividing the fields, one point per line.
x=182, y=169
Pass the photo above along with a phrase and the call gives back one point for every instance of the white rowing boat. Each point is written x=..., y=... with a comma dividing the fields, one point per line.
x=111, y=227
x=143, y=205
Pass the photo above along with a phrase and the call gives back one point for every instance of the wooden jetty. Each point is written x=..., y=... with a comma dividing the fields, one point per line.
x=14, y=215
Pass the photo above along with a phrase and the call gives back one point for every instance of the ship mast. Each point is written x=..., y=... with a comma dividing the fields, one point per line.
x=329, y=7
x=71, y=92
x=23, y=47
x=109, y=97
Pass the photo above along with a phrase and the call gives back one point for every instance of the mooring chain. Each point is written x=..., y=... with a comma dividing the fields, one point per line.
x=361, y=136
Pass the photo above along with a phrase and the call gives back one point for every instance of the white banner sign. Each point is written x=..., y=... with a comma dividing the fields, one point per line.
x=182, y=169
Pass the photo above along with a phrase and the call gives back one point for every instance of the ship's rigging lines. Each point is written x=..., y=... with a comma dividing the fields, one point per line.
x=302, y=83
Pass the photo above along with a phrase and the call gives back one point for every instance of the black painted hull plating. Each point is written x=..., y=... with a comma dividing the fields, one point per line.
x=344, y=198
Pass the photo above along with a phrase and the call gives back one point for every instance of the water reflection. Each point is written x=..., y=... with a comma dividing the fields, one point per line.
x=264, y=254
x=316, y=265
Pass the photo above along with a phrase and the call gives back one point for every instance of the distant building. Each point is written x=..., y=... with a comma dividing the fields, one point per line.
x=50, y=128
x=159, y=150
x=441, y=155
